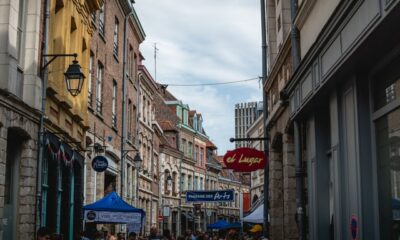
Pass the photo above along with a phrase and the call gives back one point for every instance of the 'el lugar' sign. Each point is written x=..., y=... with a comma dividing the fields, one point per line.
x=245, y=160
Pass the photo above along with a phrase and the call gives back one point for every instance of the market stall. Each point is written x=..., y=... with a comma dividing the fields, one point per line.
x=112, y=209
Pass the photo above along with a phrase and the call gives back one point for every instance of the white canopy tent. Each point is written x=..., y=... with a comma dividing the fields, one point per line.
x=257, y=216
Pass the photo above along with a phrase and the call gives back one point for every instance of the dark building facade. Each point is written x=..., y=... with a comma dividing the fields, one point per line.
x=344, y=100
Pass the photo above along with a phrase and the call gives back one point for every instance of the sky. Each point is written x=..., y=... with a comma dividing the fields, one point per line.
x=201, y=42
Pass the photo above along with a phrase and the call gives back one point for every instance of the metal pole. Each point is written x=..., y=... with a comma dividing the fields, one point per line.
x=38, y=218
x=265, y=113
x=299, y=183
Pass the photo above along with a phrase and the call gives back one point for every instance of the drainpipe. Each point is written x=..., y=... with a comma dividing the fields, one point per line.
x=299, y=183
x=40, y=143
x=265, y=113
x=295, y=36
x=124, y=93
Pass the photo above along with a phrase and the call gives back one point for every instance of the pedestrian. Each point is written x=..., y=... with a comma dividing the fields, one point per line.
x=43, y=233
x=132, y=236
x=154, y=234
x=167, y=235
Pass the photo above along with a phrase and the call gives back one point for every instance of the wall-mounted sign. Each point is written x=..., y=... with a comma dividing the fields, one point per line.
x=100, y=163
x=353, y=227
x=210, y=196
x=245, y=159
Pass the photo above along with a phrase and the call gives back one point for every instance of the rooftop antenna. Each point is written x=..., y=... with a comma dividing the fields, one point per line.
x=155, y=62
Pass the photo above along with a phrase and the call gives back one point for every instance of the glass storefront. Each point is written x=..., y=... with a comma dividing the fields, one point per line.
x=387, y=132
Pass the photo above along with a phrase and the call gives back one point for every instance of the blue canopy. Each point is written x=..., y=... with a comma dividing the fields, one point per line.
x=221, y=224
x=234, y=225
x=112, y=203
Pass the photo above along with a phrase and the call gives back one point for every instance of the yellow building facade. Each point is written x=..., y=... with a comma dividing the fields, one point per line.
x=69, y=31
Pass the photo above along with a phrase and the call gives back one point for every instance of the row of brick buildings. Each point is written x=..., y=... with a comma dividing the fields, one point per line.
x=49, y=137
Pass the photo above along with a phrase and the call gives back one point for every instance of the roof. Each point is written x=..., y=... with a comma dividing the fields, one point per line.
x=112, y=203
x=210, y=144
x=167, y=126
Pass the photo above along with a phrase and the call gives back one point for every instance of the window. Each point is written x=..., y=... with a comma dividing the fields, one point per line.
x=195, y=184
x=101, y=20
x=195, y=122
x=113, y=105
x=116, y=30
x=179, y=112
x=189, y=183
x=20, y=30
x=129, y=119
x=387, y=135
x=99, y=85
x=174, y=189
x=143, y=109
x=90, y=94
x=148, y=112
x=131, y=62
x=182, y=182
x=201, y=156
x=185, y=116
x=279, y=23
x=93, y=17
x=190, y=149
x=196, y=153
x=201, y=183
x=183, y=146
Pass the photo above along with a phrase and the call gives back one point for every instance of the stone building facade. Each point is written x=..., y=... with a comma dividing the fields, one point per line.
x=149, y=173
x=343, y=103
x=20, y=95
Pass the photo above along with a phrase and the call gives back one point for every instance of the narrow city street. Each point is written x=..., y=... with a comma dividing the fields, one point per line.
x=199, y=120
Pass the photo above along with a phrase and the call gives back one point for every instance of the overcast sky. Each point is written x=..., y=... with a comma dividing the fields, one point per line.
x=205, y=41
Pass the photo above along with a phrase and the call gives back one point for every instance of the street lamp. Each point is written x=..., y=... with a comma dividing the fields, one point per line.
x=137, y=161
x=73, y=76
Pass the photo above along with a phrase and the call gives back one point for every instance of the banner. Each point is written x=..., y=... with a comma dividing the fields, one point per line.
x=112, y=217
x=245, y=160
x=210, y=196
x=134, y=227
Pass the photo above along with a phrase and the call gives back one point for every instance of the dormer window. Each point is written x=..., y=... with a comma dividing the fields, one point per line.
x=195, y=122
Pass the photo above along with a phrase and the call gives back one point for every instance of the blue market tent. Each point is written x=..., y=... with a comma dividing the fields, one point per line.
x=112, y=203
x=111, y=208
x=221, y=224
x=234, y=225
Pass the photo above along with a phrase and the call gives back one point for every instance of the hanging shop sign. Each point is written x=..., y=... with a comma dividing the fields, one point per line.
x=100, y=163
x=245, y=160
x=210, y=196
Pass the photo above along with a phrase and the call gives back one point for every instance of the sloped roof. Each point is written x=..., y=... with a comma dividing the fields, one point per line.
x=167, y=125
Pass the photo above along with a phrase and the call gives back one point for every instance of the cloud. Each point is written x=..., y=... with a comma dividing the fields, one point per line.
x=205, y=41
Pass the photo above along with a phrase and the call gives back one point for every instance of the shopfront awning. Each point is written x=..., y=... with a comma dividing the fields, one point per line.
x=257, y=216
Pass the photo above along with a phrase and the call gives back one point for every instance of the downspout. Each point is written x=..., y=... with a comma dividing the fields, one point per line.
x=299, y=183
x=124, y=93
x=265, y=113
x=38, y=222
x=295, y=36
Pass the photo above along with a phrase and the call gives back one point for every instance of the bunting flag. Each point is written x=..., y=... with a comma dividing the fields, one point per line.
x=60, y=155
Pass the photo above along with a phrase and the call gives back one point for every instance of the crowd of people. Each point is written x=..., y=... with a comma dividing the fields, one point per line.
x=228, y=234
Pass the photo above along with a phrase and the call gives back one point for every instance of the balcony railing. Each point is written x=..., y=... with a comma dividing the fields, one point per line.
x=115, y=49
x=101, y=27
x=99, y=106
x=90, y=99
x=114, y=120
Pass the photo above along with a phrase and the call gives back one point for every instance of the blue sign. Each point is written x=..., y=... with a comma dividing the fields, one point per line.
x=100, y=163
x=210, y=196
